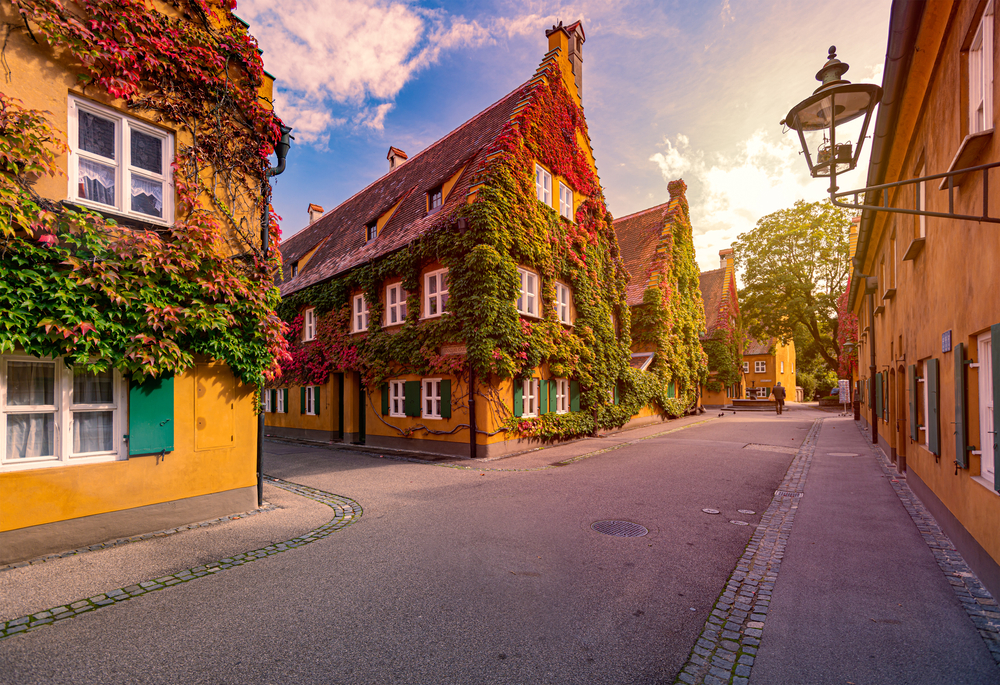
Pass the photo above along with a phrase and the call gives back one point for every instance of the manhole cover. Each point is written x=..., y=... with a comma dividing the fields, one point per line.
x=711, y=511
x=783, y=493
x=746, y=511
x=622, y=529
x=739, y=523
x=843, y=454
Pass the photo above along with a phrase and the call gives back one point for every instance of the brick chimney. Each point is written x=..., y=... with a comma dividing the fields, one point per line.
x=315, y=212
x=726, y=259
x=569, y=41
x=395, y=157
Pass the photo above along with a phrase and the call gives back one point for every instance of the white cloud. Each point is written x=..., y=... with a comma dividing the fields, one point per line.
x=727, y=13
x=349, y=52
x=728, y=194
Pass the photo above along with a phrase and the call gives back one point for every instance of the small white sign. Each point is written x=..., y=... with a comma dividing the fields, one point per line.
x=845, y=391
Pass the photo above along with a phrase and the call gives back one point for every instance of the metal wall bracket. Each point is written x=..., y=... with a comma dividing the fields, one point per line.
x=879, y=192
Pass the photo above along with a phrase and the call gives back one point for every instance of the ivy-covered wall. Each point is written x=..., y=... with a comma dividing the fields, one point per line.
x=146, y=300
x=508, y=227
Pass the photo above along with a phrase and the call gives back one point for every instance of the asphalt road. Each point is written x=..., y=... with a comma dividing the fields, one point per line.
x=455, y=575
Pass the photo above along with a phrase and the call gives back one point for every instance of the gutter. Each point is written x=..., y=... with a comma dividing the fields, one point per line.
x=904, y=24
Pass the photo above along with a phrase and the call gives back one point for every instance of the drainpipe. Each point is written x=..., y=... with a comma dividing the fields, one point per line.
x=872, y=368
x=281, y=150
x=472, y=413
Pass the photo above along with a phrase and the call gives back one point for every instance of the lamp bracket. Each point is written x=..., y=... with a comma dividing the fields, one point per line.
x=880, y=191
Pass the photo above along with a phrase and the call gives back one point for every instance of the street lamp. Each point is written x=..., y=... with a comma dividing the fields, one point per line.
x=837, y=101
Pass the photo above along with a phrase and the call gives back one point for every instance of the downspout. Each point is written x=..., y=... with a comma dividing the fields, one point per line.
x=872, y=368
x=281, y=150
x=472, y=413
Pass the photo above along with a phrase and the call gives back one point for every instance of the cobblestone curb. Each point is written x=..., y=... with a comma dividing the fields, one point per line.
x=979, y=604
x=137, y=538
x=347, y=511
x=726, y=649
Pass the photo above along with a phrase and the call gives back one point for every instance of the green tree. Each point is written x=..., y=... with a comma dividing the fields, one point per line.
x=794, y=266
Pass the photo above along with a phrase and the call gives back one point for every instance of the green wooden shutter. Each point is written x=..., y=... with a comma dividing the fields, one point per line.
x=543, y=401
x=518, y=397
x=961, y=422
x=878, y=396
x=302, y=400
x=446, y=399
x=553, y=396
x=911, y=380
x=574, y=395
x=385, y=399
x=274, y=400
x=671, y=390
x=614, y=393
x=411, y=398
x=933, y=379
x=284, y=401
x=316, y=399
x=151, y=416
x=995, y=361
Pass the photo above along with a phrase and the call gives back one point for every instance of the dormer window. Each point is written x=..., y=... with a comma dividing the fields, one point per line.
x=295, y=269
x=435, y=198
x=371, y=231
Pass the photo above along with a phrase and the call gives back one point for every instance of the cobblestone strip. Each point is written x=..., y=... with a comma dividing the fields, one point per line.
x=726, y=649
x=979, y=604
x=138, y=538
x=347, y=511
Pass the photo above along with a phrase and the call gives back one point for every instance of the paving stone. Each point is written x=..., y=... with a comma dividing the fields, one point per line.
x=746, y=659
x=743, y=670
x=729, y=645
x=721, y=673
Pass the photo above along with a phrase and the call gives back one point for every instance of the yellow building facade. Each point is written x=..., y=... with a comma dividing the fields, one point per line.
x=89, y=457
x=925, y=288
x=765, y=364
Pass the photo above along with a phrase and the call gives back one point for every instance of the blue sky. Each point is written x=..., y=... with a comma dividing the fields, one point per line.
x=691, y=90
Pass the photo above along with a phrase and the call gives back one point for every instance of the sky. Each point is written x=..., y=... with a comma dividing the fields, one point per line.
x=672, y=89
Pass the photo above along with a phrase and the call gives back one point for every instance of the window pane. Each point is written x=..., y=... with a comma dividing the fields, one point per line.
x=92, y=431
x=147, y=196
x=30, y=384
x=96, y=182
x=30, y=435
x=92, y=388
x=147, y=152
x=444, y=301
x=97, y=135
x=432, y=284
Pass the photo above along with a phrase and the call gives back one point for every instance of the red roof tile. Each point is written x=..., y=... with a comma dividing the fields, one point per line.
x=407, y=185
x=758, y=347
x=638, y=237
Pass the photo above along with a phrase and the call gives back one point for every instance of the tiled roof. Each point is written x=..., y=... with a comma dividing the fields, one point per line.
x=638, y=237
x=341, y=230
x=713, y=285
x=758, y=347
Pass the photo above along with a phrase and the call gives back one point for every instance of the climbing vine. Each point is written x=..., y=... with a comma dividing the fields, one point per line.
x=146, y=300
x=508, y=228
x=847, y=333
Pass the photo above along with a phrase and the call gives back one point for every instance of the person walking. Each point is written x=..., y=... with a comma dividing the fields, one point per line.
x=778, y=393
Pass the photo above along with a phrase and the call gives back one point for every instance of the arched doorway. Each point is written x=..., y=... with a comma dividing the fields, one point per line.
x=902, y=421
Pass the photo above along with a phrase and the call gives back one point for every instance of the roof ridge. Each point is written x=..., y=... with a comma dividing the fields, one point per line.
x=644, y=211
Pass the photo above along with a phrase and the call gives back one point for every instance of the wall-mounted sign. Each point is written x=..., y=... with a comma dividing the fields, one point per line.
x=946, y=341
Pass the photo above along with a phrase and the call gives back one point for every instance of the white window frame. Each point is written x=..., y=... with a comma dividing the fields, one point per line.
x=782, y=367
x=279, y=400
x=527, y=296
x=760, y=366
x=986, y=440
x=543, y=185
x=924, y=403
x=311, y=392
x=981, y=74
x=431, y=194
x=565, y=201
x=440, y=297
x=529, y=398
x=430, y=392
x=309, y=324
x=63, y=409
x=371, y=232
x=562, y=396
x=395, y=310
x=359, y=314
x=268, y=409
x=763, y=392
x=746, y=367
x=397, y=399
x=564, y=298
x=124, y=171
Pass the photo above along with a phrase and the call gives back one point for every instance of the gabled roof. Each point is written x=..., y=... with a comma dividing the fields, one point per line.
x=639, y=236
x=341, y=230
x=713, y=288
x=758, y=347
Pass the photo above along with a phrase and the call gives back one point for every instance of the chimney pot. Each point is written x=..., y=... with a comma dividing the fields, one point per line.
x=315, y=212
x=395, y=157
x=725, y=256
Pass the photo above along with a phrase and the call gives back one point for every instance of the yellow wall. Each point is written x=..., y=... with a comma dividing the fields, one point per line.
x=215, y=440
x=773, y=373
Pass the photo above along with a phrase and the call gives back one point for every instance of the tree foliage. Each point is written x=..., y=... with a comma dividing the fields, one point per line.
x=795, y=266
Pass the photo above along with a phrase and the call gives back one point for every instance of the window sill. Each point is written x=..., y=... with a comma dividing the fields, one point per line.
x=915, y=248
x=121, y=218
x=431, y=418
x=397, y=416
x=889, y=294
x=536, y=317
x=968, y=152
x=986, y=483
